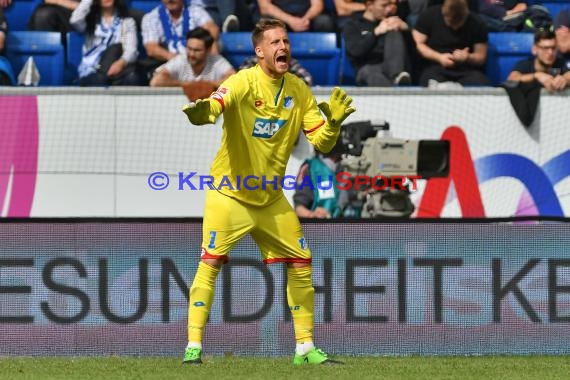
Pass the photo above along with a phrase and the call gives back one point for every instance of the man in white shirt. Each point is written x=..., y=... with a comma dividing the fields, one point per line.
x=197, y=65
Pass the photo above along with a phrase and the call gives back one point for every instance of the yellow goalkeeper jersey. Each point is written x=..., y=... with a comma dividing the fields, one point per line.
x=262, y=118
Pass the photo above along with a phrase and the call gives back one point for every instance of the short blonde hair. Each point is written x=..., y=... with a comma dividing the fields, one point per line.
x=263, y=25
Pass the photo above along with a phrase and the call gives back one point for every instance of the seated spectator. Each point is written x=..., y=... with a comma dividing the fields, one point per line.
x=545, y=67
x=110, y=48
x=299, y=15
x=295, y=68
x=562, y=30
x=164, y=31
x=197, y=68
x=376, y=46
x=502, y=16
x=453, y=43
x=345, y=9
x=317, y=193
x=54, y=16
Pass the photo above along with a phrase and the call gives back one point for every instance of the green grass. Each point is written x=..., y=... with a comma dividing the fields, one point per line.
x=355, y=368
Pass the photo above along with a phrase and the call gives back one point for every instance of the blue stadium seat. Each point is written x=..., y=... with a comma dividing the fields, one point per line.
x=73, y=55
x=19, y=13
x=144, y=5
x=6, y=68
x=236, y=47
x=506, y=49
x=319, y=54
x=46, y=49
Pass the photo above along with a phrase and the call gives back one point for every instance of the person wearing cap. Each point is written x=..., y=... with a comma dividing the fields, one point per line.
x=562, y=31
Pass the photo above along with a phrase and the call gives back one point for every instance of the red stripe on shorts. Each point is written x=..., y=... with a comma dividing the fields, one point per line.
x=207, y=255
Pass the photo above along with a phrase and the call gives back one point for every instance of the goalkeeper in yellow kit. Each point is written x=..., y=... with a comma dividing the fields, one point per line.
x=264, y=107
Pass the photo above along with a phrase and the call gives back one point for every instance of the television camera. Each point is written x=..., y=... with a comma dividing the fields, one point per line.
x=377, y=163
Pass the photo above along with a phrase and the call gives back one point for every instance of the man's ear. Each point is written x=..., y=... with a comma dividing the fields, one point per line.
x=534, y=50
x=259, y=52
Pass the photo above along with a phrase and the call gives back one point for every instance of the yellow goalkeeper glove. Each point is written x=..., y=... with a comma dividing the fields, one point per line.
x=338, y=108
x=199, y=113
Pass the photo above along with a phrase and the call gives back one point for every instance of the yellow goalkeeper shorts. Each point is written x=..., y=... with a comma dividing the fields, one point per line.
x=275, y=229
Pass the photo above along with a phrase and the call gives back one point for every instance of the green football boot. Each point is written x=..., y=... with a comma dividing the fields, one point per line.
x=192, y=356
x=315, y=356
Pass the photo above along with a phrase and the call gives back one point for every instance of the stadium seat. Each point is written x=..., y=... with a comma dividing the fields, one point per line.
x=236, y=47
x=73, y=55
x=45, y=48
x=144, y=5
x=506, y=49
x=6, y=69
x=319, y=54
x=19, y=13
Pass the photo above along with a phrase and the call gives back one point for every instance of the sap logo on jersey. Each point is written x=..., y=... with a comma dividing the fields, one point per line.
x=266, y=128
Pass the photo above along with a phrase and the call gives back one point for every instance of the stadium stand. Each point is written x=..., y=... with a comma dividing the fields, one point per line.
x=45, y=48
x=236, y=47
x=505, y=49
x=19, y=12
x=317, y=52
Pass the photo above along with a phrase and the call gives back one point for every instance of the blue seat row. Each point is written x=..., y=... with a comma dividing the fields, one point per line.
x=317, y=52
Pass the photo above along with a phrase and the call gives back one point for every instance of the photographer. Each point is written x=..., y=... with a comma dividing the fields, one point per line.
x=315, y=196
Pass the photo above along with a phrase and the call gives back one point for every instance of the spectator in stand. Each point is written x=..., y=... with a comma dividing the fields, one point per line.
x=110, y=48
x=299, y=15
x=54, y=16
x=345, y=9
x=453, y=43
x=198, y=65
x=295, y=68
x=502, y=16
x=376, y=46
x=545, y=67
x=562, y=30
x=164, y=31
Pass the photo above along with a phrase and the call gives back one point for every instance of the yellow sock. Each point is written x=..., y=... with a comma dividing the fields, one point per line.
x=301, y=299
x=201, y=296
